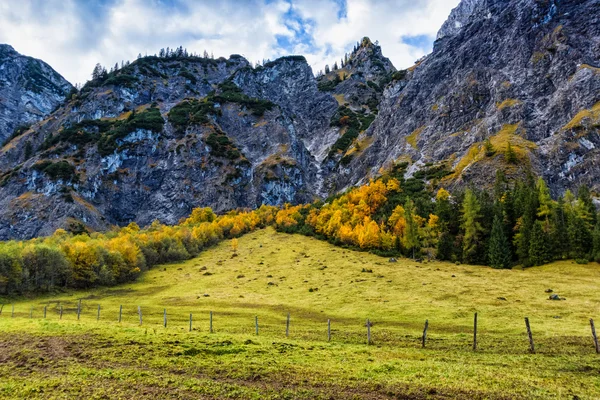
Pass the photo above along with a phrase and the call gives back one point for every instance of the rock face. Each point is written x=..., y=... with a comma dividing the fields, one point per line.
x=518, y=72
x=510, y=84
x=164, y=135
x=29, y=90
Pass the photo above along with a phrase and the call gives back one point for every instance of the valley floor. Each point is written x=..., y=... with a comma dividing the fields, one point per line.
x=274, y=274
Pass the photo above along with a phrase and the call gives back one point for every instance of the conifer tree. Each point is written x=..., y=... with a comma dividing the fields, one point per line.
x=511, y=156
x=499, y=252
x=560, y=235
x=538, y=245
x=596, y=250
x=489, y=148
x=580, y=238
x=473, y=231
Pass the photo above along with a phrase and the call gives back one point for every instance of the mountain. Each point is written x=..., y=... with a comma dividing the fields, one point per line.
x=518, y=72
x=29, y=90
x=510, y=85
x=163, y=135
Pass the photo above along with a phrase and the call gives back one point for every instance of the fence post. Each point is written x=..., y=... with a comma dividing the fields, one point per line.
x=98, y=315
x=120, y=313
x=594, y=336
x=61, y=311
x=165, y=317
x=31, y=313
x=190, y=322
x=287, y=326
x=424, y=339
x=531, y=346
x=211, y=324
x=78, y=309
x=45, y=307
x=368, y=332
x=329, y=330
x=12, y=313
x=475, y=333
x=140, y=314
x=256, y=324
x=1, y=307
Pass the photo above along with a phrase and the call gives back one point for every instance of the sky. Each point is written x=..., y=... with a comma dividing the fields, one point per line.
x=73, y=35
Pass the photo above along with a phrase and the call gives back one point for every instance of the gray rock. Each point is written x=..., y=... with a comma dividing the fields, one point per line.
x=29, y=90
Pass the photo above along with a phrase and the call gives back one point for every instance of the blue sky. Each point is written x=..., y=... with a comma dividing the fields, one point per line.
x=73, y=35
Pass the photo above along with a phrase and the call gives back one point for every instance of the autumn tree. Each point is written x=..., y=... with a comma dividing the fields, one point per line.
x=473, y=231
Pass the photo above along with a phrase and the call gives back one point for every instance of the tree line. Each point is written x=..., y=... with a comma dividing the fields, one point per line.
x=64, y=260
x=518, y=223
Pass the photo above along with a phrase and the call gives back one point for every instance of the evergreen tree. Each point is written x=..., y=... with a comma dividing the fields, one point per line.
x=473, y=231
x=586, y=207
x=489, y=148
x=580, y=238
x=560, y=235
x=596, y=250
x=97, y=72
x=445, y=247
x=538, y=245
x=511, y=156
x=499, y=252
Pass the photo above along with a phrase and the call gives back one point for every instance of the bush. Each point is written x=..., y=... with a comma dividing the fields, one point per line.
x=61, y=170
x=121, y=80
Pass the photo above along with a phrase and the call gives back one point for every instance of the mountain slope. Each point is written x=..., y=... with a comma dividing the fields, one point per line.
x=522, y=72
x=164, y=135
x=29, y=90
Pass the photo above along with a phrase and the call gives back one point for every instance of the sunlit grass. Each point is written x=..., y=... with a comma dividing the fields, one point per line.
x=272, y=275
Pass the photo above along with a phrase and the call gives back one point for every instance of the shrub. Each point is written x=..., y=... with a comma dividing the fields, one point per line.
x=121, y=80
x=61, y=170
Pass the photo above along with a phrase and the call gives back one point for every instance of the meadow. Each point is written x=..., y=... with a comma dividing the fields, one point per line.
x=272, y=274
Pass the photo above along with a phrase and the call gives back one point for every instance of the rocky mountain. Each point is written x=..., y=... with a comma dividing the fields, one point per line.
x=510, y=84
x=29, y=90
x=163, y=135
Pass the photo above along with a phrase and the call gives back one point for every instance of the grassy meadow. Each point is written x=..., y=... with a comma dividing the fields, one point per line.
x=274, y=274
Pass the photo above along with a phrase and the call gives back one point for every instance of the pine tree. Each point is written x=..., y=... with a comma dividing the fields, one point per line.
x=511, y=156
x=471, y=224
x=499, y=252
x=586, y=206
x=580, y=238
x=596, y=250
x=538, y=245
x=489, y=148
x=97, y=72
x=445, y=247
x=560, y=235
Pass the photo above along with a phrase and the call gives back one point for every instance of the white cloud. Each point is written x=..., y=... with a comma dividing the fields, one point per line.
x=73, y=35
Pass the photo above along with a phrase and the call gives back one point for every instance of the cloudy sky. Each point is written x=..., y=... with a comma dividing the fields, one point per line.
x=73, y=35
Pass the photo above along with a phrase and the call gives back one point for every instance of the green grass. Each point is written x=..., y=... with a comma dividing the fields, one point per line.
x=271, y=276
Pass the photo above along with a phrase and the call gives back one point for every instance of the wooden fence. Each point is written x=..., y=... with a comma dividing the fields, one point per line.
x=98, y=313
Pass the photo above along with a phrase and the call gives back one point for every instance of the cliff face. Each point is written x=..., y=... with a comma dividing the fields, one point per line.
x=164, y=135
x=519, y=72
x=29, y=90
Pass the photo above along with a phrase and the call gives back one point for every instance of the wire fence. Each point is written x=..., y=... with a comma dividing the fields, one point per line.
x=342, y=330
